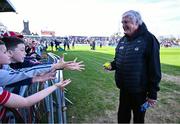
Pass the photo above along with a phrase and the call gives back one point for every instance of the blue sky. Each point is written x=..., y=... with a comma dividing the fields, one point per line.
x=92, y=17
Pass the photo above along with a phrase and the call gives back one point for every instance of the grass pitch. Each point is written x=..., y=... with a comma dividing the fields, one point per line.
x=94, y=94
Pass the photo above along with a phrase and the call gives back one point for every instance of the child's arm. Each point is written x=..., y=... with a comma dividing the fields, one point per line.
x=16, y=101
x=9, y=77
x=29, y=81
x=12, y=76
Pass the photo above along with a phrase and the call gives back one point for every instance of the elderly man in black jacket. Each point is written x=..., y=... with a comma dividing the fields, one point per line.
x=137, y=68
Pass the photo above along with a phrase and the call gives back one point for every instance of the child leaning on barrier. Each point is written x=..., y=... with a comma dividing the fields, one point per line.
x=16, y=49
x=12, y=100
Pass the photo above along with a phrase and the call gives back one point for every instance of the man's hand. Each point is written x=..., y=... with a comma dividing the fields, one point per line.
x=70, y=65
x=152, y=102
x=44, y=77
x=107, y=66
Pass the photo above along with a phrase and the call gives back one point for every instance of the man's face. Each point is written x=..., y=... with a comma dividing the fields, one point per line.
x=18, y=53
x=129, y=26
x=4, y=55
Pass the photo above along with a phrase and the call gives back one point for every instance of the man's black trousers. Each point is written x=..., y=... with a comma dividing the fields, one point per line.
x=128, y=102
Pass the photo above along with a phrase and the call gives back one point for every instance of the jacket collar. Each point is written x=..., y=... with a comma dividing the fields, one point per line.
x=141, y=30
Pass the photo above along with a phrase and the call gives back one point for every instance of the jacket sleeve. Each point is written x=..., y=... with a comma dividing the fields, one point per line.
x=27, y=81
x=25, y=64
x=113, y=65
x=154, y=68
x=12, y=76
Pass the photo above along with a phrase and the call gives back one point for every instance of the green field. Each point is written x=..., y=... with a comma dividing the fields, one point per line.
x=95, y=96
x=170, y=60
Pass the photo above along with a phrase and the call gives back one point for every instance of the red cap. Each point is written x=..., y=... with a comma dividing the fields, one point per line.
x=13, y=34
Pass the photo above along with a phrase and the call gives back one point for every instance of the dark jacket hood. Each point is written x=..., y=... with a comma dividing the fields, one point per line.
x=141, y=30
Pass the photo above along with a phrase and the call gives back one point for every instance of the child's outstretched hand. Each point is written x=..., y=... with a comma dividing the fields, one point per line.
x=62, y=83
x=70, y=65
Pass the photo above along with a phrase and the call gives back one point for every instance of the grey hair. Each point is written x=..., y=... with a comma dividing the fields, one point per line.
x=134, y=15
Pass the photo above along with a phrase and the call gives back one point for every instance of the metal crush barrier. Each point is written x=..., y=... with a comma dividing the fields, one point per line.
x=59, y=94
x=55, y=103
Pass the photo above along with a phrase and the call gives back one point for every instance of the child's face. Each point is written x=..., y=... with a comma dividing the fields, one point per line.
x=18, y=53
x=4, y=55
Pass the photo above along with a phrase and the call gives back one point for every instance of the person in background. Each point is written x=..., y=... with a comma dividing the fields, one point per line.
x=93, y=45
x=73, y=44
x=137, y=68
x=100, y=45
x=52, y=45
x=66, y=43
x=56, y=44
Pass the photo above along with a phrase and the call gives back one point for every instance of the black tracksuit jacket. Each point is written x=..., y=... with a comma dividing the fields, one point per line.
x=137, y=63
